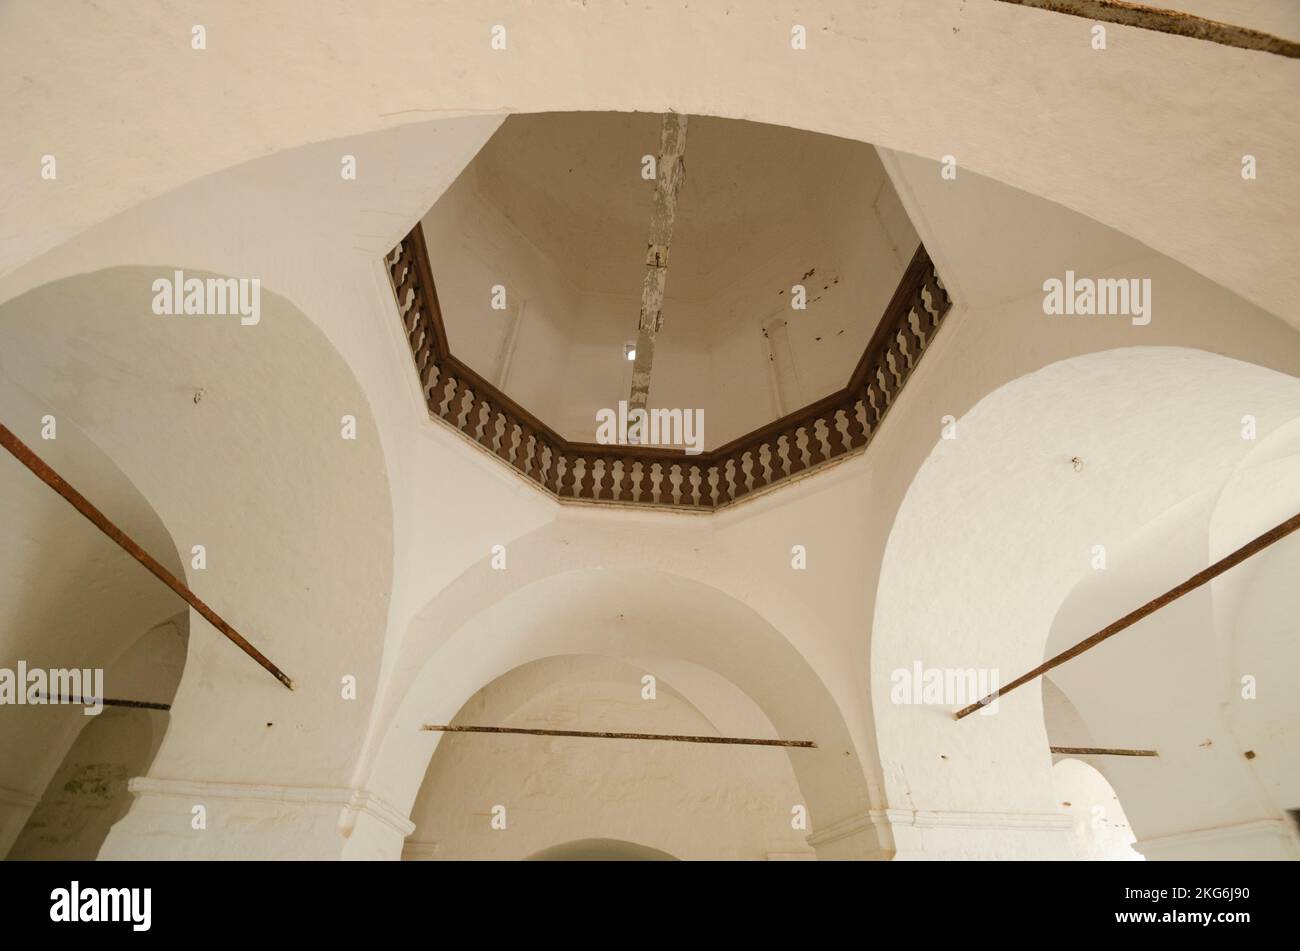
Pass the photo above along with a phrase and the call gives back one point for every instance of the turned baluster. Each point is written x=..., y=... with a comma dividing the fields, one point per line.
x=524, y=460
x=887, y=384
x=477, y=426
x=875, y=404
x=741, y=487
x=724, y=484
x=637, y=472
x=690, y=471
x=796, y=451
x=569, y=477
x=456, y=404
x=939, y=299
x=657, y=476
x=548, y=472
x=910, y=336
x=706, y=490
x=429, y=386
x=606, y=489
x=760, y=468
x=625, y=478
x=588, y=477
x=815, y=453
x=896, y=363
x=506, y=449
x=857, y=431
x=836, y=442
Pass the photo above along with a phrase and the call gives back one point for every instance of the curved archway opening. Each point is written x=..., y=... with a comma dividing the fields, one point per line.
x=233, y=438
x=89, y=791
x=601, y=850
x=507, y=796
x=1105, y=445
x=1101, y=830
x=680, y=631
x=72, y=609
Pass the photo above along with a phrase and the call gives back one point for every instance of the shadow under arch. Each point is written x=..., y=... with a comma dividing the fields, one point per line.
x=601, y=850
x=996, y=529
x=89, y=791
x=636, y=611
x=71, y=600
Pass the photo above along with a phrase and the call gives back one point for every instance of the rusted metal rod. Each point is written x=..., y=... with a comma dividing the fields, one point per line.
x=1100, y=751
x=675, y=738
x=1173, y=594
x=107, y=702
x=27, y=457
x=1147, y=17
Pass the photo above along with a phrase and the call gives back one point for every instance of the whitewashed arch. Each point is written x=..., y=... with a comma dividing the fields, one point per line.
x=410, y=61
x=1153, y=428
x=232, y=434
x=625, y=608
x=696, y=801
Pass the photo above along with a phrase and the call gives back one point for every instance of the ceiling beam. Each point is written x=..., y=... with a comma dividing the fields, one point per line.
x=670, y=172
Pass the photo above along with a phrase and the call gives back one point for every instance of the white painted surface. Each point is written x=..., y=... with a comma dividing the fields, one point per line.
x=371, y=559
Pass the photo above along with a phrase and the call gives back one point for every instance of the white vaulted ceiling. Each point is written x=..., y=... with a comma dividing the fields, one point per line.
x=555, y=210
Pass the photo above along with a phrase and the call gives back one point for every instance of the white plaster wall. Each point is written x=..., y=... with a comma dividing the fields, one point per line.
x=1265, y=726
x=849, y=526
x=475, y=503
x=594, y=598
x=261, y=449
x=473, y=248
x=449, y=503
x=1174, y=682
x=1176, y=187
x=270, y=204
x=1126, y=479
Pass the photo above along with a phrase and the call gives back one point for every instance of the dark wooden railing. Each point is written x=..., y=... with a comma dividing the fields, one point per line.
x=807, y=439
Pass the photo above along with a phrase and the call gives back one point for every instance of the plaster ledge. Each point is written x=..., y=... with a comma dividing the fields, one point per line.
x=885, y=820
x=354, y=801
x=1268, y=827
x=1014, y=821
x=875, y=820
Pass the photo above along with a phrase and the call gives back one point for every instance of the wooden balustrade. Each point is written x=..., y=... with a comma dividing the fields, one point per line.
x=841, y=423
